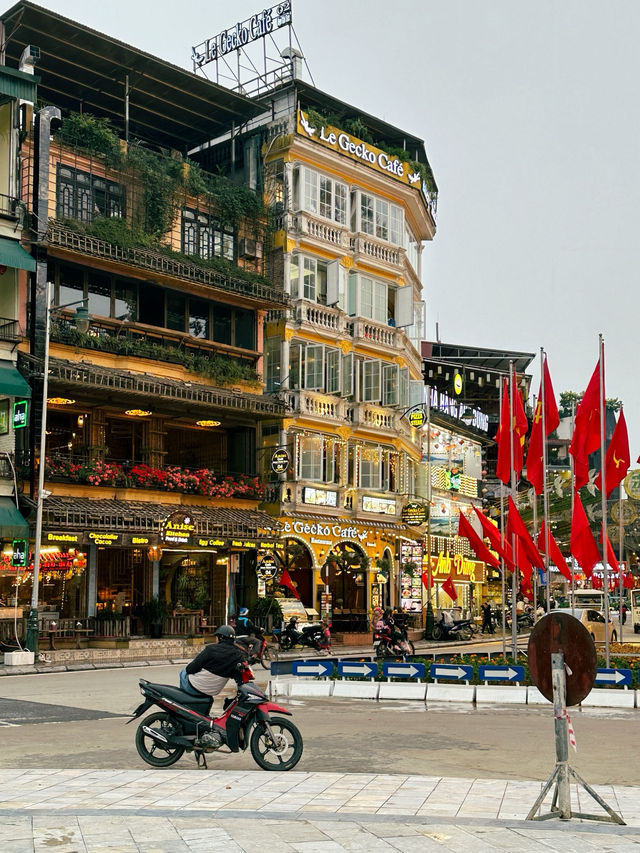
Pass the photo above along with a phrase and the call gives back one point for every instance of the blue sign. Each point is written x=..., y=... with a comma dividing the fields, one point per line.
x=501, y=673
x=616, y=677
x=320, y=668
x=403, y=670
x=451, y=671
x=357, y=669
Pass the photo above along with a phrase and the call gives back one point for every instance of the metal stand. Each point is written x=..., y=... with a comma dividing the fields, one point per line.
x=561, y=803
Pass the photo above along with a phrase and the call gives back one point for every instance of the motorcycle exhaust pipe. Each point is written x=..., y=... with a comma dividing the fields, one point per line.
x=170, y=741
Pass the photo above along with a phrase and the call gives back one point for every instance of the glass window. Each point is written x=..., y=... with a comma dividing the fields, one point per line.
x=382, y=219
x=245, y=329
x=309, y=279
x=366, y=298
x=295, y=356
x=203, y=237
x=390, y=385
x=71, y=287
x=83, y=196
x=310, y=457
x=272, y=364
x=370, y=381
x=325, y=196
x=310, y=191
x=198, y=318
x=347, y=375
x=294, y=276
x=396, y=224
x=221, y=324
x=366, y=213
x=99, y=294
x=176, y=308
x=314, y=368
x=370, y=467
x=125, y=302
x=333, y=371
x=340, y=204
x=380, y=302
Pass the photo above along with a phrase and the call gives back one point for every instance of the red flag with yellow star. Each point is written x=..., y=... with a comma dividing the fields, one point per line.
x=618, y=458
x=586, y=432
x=535, y=472
x=512, y=420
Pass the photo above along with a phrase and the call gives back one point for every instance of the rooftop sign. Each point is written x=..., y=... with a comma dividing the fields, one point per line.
x=234, y=38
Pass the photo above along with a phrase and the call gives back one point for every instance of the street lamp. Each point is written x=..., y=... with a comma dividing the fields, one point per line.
x=82, y=320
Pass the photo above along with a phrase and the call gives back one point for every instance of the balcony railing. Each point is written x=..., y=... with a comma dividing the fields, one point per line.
x=379, y=418
x=10, y=330
x=316, y=404
x=320, y=316
x=376, y=250
x=65, y=238
x=320, y=229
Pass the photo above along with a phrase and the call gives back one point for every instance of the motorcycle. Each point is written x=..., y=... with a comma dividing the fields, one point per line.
x=385, y=647
x=183, y=725
x=310, y=636
x=460, y=630
x=265, y=655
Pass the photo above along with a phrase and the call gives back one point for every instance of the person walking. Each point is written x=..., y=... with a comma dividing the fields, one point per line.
x=487, y=621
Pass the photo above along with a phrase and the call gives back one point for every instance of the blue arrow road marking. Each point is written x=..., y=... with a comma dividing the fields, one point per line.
x=501, y=673
x=357, y=669
x=311, y=667
x=617, y=677
x=453, y=672
x=403, y=670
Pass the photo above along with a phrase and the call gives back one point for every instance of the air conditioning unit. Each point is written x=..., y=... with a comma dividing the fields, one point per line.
x=251, y=249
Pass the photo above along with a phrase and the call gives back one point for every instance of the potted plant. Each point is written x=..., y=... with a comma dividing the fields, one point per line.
x=154, y=612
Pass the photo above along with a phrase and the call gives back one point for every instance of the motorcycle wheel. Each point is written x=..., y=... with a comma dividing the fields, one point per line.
x=285, y=643
x=465, y=633
x=379, y=651
x=412, y=648
x=285, y=751
x=148, y=747
x=436, y=632
x=267, y=656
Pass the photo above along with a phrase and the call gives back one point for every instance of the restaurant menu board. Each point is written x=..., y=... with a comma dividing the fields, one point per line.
x=292, y=607
x=411, y=579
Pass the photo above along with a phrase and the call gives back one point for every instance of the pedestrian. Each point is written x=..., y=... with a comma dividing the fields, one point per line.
x=487, y=620
x=623, y=610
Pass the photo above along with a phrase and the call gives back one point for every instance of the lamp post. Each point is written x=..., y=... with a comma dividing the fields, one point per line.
x=82, y=320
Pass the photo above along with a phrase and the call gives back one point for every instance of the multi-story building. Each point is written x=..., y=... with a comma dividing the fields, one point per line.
x=353, y=201
x=155, y=395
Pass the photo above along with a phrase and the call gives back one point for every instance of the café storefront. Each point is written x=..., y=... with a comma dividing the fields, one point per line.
x=112, y=556
x=469, y=579
x=333, y=564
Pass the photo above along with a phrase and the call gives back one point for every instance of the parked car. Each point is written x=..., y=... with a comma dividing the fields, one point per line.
x=594, y=622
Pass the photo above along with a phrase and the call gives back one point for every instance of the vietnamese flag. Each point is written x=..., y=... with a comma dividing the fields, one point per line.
x=425, y=580
x=586, y=432
x=449, y=587
x=612, y=560
x=554, y=552
x=618, y=458
x=510, y=421
x=516, y=526
x=498, y=544
x=583, y=545
x=535, y=473
x=482, y=552
x=627, y=581
x=285, y=580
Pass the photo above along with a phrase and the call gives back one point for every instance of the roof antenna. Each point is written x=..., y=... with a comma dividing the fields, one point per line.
x=437, y=332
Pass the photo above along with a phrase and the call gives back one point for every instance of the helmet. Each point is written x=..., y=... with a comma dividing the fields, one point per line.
x=225, y=634
x=244, y=611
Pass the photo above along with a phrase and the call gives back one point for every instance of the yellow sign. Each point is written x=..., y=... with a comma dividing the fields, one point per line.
x=417, y=418
x=73, y=538
x=104, y=538
x=632, y=484
x=361, y=152
x=458, y=568
x=457, y=383
x=629, y=514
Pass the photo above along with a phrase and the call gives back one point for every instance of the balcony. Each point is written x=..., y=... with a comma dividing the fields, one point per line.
x=369, y=249
x=379, y=419
x=317, y=405
x=320, y=317
x=62, y=237
x=126, y=474
x=10, y=330
x=321, y=230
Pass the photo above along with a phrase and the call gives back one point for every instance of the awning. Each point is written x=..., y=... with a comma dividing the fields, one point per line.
x=17, y=84
x=13, y=255
x=12, y=382
x=12, y=523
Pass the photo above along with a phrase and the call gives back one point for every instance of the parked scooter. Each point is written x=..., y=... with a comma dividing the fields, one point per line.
x=460, y=630
x=311, y=636
x=385, y=646
x=183, y=725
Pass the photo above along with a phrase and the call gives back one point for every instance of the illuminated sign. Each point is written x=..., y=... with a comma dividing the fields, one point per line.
x=19, y=553
x=20, y=413
x=178, y=528
x=458, y=568
x=457, y=384
x=417, y=417
x=414, y=514
x=70, y=538
x=280, y=461
x=380, y=505
x=267, y=567
x=319, y=497
x=103, y=538
x=330, y=532
x=256, y=27
x=443, y=403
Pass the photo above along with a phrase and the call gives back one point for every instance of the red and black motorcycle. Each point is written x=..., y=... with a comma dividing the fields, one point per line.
x=184, y=725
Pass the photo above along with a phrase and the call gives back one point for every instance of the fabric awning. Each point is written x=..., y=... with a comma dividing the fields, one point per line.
x=12, y=523
x=12, y=382
x=13, y=255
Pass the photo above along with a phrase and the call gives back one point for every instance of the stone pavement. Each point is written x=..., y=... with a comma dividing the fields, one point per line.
x=177, y=811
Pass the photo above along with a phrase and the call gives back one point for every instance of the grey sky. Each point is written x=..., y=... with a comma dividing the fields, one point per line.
x=530, y=115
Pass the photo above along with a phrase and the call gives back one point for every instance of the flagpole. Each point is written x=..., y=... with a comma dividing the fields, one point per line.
x=503, y=565
x=535, y=568
x=573, y=500
x=545, y=491
x=603, y=478
x=620, y=559
x=514, y=612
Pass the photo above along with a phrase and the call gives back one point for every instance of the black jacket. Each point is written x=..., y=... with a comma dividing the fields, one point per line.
x=218, y=658
x=245, y=626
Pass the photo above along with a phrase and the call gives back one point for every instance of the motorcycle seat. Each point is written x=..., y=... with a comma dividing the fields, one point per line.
x=198, y=703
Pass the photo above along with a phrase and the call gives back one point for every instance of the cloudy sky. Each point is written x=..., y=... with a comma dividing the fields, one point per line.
x=529, y=111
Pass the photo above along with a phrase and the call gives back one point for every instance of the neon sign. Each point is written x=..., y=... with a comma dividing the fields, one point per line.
x=254, y=28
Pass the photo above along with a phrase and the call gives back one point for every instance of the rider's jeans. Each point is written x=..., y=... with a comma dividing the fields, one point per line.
x=186, y=686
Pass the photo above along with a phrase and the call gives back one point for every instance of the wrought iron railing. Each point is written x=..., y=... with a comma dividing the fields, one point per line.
x=10, y=330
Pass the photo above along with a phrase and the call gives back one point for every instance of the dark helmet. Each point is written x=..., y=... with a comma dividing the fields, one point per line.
x=225, y=634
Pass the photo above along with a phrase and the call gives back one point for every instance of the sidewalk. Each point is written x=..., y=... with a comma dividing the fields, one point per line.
x=177, y=811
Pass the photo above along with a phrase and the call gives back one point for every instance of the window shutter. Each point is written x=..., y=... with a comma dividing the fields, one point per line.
x=333, y=371
x=404, y=306
x=347, y=375
x=314, y=368
x=403, y=388
x=416, y=392
x=335, y=283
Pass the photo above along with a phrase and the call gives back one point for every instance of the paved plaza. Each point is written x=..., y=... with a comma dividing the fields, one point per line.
x=177, y=811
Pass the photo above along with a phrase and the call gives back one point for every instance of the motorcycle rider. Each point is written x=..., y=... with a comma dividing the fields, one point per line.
x=291, y=630
x=210, y=670
x=253, y=640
